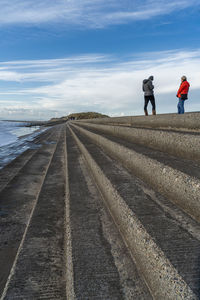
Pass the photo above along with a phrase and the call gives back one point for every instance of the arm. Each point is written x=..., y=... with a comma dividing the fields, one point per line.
x=150, y=85
x=180, y=89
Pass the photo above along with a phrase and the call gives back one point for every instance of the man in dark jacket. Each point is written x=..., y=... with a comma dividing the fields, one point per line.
x=149, y=95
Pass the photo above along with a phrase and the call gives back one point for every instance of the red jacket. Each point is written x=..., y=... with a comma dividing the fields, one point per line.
x=184, y=88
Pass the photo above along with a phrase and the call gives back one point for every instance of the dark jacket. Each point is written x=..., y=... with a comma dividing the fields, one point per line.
x=148, y=87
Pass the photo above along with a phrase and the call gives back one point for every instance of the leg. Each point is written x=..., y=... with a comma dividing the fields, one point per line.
x=152, y=99
x=146, y=101
x=178, y=106
x=181, y=106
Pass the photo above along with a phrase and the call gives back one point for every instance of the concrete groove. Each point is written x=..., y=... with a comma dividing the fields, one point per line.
x=13, y=168
x=21, y=226
x=164, y=175
x=39, y=272
x=187, y=121
x=95, y=276
x=187, y=166
x=184, y=220
x=175, y=143
x=131, y=282
x=163, y=284
x=69, y=273
x=105, y=209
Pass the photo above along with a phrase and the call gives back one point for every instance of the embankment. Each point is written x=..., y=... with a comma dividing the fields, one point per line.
x=104, y=209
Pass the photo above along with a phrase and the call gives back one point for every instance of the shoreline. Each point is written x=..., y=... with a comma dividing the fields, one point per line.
x=24, y=142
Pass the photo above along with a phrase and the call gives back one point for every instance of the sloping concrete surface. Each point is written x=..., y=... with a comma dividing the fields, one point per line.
x=104, y=209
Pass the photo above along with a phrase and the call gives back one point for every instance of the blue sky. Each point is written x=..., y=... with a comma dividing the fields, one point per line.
x=65, y=56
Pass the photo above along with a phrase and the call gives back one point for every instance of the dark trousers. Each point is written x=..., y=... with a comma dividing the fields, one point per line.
x=151, y=99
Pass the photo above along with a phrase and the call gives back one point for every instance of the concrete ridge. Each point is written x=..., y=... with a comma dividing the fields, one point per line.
x=161, y=277
x=96, y=276
x=164, y=176
x=175, y=143
x=186, y=121
x=125, y=264
x=68, y=240
x=39, y=272
x=26, y=228
x=9, y=172
x=104, y=210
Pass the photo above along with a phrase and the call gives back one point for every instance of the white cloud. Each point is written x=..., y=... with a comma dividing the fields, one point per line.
x=100, y=83
x=89, y=13
x=16, y=113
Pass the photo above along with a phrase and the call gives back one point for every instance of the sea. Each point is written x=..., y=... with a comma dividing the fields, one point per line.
x=15, y=138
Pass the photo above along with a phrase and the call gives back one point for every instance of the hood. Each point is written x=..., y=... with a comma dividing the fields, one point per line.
x=150, y=77
x=145, y=81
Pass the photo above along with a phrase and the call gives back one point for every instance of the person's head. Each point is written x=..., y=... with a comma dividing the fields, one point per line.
x=151, y=78
x=183, y=78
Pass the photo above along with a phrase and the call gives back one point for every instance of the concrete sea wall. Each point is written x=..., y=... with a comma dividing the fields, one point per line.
x=104, y=209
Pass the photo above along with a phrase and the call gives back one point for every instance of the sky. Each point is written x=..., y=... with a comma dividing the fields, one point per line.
x=64, y=56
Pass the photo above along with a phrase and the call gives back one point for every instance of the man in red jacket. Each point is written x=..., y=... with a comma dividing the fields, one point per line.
x=182, y=94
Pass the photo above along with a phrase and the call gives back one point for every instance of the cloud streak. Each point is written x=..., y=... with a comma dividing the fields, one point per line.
x=88, y=13
x=97, y=82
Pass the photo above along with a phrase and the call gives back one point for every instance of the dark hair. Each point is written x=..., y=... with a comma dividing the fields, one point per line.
x=184, y=78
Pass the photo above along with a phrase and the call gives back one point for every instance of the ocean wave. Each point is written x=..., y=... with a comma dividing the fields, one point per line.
x=15, y=139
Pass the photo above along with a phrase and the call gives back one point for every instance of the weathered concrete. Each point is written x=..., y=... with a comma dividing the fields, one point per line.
x=160, y=275
x=69, y=272
x=18, y=201
x=175, y=143
x=95, y=273
x=22, y=192
x=13, y=168
x=57, y=247
x=92, y=279
x=163, y=178
x=186, y=121
x=104, y=212
x=39, y=272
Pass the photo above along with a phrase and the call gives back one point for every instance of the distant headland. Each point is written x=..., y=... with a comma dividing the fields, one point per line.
x=73, y=116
